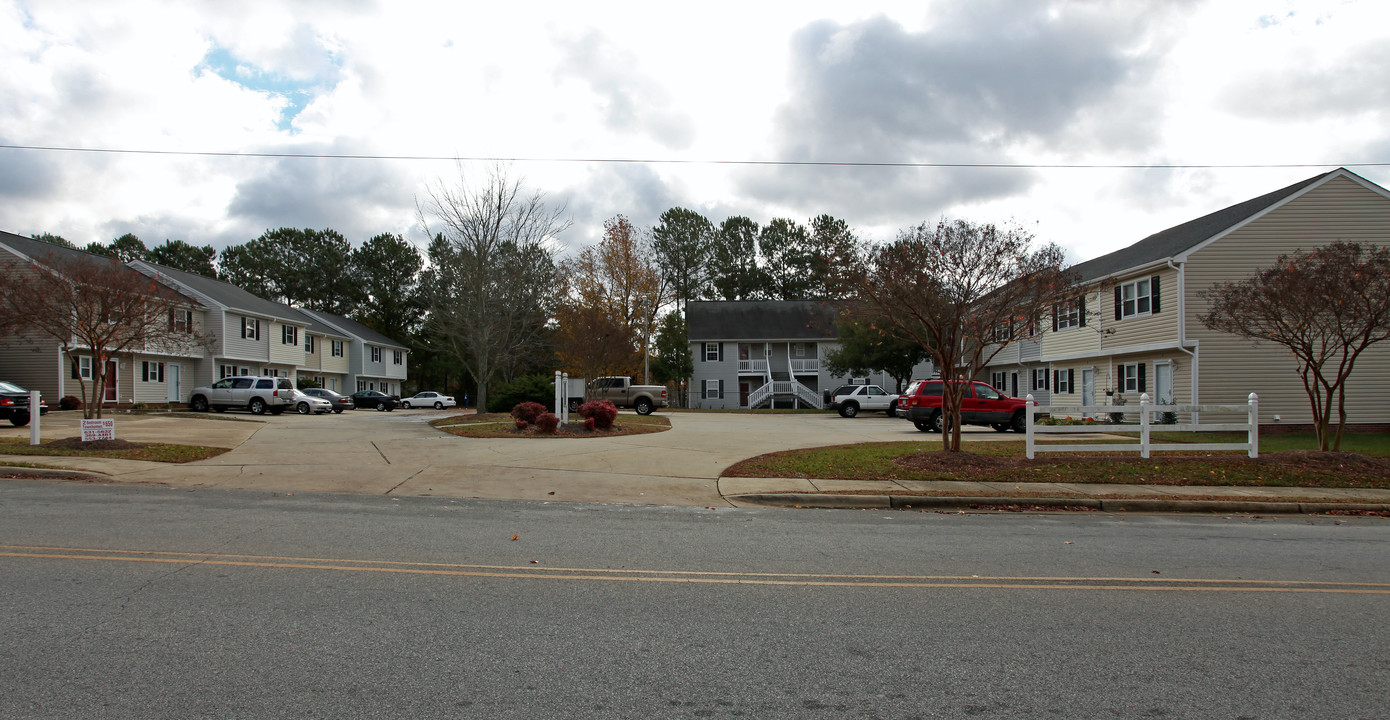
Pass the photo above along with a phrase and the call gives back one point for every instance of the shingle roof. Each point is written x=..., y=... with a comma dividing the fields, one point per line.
x=348, y=325
x=762, y=320
x=226, y=294
x=318, y=326
x=1179, y=238
x=39, y=250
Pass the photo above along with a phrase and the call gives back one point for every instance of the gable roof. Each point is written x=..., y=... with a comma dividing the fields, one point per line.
x=761, y=320
x=38, y=250
x=1180, y=238
x=353, y=328
x=222, y=293
x=319, y=327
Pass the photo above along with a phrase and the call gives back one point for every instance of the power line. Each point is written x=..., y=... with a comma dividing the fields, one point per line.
x=673, y=161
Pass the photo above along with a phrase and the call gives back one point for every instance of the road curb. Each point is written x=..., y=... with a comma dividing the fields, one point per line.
x=1139, y=505
x=52, y=473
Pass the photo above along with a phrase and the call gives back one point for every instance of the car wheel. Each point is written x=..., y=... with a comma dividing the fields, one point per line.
x=934, y=422
x=892, y=410
x=439, y=406
x=303, y=408
x=574, y=406
x=643, y=407
x=922, y=425
x=1018, y=423
x=849, y=410
x=198, y=404
x=1000, y=427
x=406, y=405
x=257, y=406
x=337, y=411
x=19, y=420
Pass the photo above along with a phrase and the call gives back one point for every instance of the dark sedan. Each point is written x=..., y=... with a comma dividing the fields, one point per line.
x=373, y=399
x=340, y=402
x=14, y=404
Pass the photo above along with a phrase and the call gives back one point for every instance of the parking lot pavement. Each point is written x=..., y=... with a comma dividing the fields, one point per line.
x=400, y=454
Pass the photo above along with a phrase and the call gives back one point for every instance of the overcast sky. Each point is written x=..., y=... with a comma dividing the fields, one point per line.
x=1216, y=82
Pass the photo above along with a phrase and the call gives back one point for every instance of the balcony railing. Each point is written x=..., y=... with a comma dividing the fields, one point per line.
x=758, y=367
x=805, y=366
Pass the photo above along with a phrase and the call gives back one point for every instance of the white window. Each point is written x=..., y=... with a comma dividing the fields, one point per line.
x=308, y=343
x=361, y=385
x=998, y=379
x=151, y=371
x=712, y=351
x=376, y=354
x=337, y=348
x=289, y=335
x=396, y=357
x=1132, y=378
x=1069, y=314
x=799, y=350
x=181, y=320
x=84, y=367
x=251, y=328
x=1040, y=378
x=225, y=371
x=1061, y=381
x=711, y=390
x=1134, y=298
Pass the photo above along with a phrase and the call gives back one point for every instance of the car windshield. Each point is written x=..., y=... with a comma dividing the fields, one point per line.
x=10, y=387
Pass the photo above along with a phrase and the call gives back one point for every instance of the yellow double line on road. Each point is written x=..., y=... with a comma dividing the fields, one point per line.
x=1151, y=584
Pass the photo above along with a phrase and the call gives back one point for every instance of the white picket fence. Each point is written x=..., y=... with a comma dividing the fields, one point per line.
x=1146, y=412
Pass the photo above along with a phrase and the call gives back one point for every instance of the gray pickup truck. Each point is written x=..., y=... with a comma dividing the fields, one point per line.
x=618, y=390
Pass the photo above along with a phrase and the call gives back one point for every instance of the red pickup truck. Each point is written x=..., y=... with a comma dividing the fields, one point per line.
x=982, y=405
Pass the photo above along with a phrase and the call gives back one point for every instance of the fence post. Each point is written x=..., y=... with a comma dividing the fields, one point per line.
x=1254, y=435
x=1028, y=425
x=35, y=417
x=1144, y=425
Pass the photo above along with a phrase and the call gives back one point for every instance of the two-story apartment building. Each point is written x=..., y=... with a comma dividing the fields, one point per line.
x=758, y=353
x=148, y=374
x=1134, y=326
x=374, y=361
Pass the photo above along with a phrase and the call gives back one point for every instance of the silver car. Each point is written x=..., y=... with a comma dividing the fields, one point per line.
x=305, y=404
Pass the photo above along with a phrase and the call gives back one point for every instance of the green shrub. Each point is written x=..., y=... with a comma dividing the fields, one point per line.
x=528, y=388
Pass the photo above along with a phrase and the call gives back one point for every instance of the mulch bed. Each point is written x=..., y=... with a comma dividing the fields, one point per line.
x=973, y=466
x=76, y=443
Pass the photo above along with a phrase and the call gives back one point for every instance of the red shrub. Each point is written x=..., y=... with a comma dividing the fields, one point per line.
x=589, y=424
x=547, y=423
x=602, y=412
x=528, y=411
x=521, y=424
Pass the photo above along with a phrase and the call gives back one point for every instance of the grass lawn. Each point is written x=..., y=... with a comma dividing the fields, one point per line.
x=501, y=425
x=120, y=449
x=1286, y=460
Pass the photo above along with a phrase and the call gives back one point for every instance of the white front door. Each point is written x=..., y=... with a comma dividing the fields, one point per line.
x=1088, y=386
x=172, y=373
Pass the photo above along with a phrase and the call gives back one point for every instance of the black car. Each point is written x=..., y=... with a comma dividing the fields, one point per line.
x=379, y=400
x=340, y=402
x=14, y=404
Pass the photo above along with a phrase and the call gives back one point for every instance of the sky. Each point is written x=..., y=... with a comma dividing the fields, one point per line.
x=761, y=109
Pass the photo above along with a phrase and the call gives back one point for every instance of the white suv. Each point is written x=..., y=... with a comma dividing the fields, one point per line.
x=850, y=399
x=259, y=394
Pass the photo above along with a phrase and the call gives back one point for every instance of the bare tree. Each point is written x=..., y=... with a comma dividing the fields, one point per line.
x=1326, y=307
x=488, y=289
x=960, y=290
x=89, y=303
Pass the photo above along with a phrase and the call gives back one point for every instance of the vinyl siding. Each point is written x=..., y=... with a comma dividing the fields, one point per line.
x=32, y=362
x=1160, y=327
x=313, y=360
x=330, y=363
x=280, y=352
x=726, y=370
x=1231, y=367
x=1074, y=339
x=246, y=348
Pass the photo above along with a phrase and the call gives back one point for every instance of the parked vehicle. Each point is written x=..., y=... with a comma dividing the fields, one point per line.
x=618, y=390
x=981, y=405
x=849, y=400
x=429, y=399
x=339, y=402
x=375, y=399
x=305, y=404
x=259, y=394
x=14, y=404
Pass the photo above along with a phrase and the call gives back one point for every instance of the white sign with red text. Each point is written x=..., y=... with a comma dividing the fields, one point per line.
x=104, y=429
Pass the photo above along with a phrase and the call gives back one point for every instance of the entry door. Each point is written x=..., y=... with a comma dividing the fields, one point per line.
x=110, y=382
x=1163, y=384
x=1013, y=384
x=743, y=390
x=1088, y=386
x=173, y=375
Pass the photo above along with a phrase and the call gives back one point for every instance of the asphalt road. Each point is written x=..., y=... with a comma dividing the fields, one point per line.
x=128, y=602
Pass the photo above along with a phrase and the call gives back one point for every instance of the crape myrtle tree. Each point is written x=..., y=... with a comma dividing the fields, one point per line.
x=488, y=289
x=1325, y=307
x=94, y=305
x=960, y=290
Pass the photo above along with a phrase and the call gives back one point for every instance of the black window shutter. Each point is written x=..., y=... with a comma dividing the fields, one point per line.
x=721, y=381
x=74, y=369
x=1118, y=302
x=1056, y=378
x=702, y=351
x=243, y=328
x=1055, y=309
x=145, y=371
x=721, y=359
x=1033, y=381
x=1071, y=380
x=171, y=320
x=1153, y=294
x=1081, y=311
x=1142, y=386
x=1045, y=385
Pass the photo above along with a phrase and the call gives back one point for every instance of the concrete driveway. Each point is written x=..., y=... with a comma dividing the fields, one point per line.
x=400, y=454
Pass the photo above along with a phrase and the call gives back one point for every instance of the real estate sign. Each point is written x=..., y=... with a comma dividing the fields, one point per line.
x=103, y=429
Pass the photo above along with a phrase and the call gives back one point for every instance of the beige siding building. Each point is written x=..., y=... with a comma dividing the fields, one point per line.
x=1135, y=325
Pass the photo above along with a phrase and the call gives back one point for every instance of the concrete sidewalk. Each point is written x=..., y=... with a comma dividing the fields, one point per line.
x=398, y=453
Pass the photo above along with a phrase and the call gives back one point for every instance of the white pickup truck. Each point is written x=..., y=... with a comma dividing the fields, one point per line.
x=618, y=390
